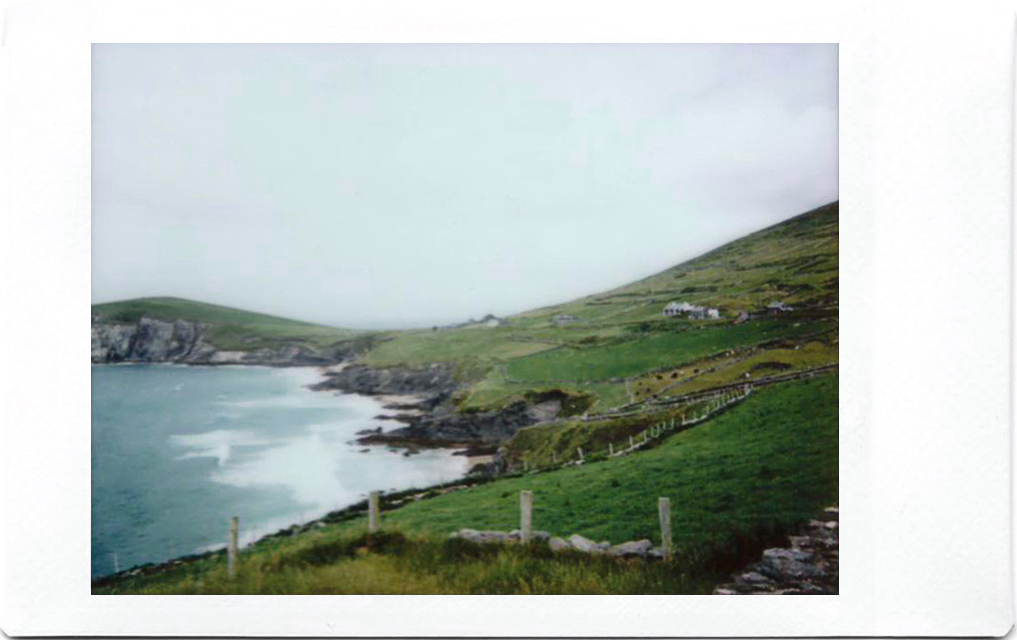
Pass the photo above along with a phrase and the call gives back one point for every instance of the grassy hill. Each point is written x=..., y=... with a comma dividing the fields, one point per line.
x=738, y=484
x=231, y=329
x=622, y=333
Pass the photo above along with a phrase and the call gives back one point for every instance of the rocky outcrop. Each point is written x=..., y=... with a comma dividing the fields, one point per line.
x=434, y=380
x=445, y=426
x=440, y=423
x=809, y=566
x=633, y=549
x=151, y=340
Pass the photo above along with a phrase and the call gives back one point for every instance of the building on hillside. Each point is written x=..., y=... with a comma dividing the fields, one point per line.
x=778, y=307
x=743, y=316
x=678, y=308
x=692, y=311
x=563, y=319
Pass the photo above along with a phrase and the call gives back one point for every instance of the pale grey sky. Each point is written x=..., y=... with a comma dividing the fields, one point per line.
x=409, y=185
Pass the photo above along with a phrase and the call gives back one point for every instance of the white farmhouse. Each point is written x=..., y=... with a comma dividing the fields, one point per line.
x=678, y=308
x=693, y=311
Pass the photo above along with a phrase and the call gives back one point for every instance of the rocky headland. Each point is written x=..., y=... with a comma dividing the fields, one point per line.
x=150, y=340
x=434, y=420
x=431, y=419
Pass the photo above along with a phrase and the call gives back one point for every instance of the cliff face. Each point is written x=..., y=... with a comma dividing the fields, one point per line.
x=441, y=423
x=151, y=340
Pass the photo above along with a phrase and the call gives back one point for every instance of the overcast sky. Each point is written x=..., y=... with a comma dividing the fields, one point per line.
x=410, y=185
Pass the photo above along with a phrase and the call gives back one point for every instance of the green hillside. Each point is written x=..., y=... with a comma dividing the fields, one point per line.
x=740, y=479
x=738, y=484
x=230, y=328
x=622, y=333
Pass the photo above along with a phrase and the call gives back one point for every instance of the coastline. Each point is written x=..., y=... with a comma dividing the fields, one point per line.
x=389, y=407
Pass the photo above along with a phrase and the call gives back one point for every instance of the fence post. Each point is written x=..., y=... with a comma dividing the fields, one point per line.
x=525, y=515
x=580, y=450
x=664, y=505
x=610, y=449
x=116, y=563
x=632, y=442
x=373, y=512
x=231, y=547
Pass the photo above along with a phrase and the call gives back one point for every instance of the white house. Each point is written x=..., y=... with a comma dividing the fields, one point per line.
x=778, y=306
x=693, y=311
x=678, y=308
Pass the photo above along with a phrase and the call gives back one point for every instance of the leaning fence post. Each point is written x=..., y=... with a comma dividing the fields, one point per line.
x=231, y=547
x=373, y=512
x=525, y=515
x=664, y=505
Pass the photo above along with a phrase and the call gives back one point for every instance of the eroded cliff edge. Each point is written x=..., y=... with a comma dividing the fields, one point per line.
x=150, y=340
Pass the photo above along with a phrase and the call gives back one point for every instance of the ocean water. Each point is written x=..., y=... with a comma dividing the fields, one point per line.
x=177, y=450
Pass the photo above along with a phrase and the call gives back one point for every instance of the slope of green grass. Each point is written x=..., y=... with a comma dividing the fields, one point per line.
x=622, y=332
x=391, y=563
x=652, y=351
x=771, y=458
x=230, y=328
x=737, y=483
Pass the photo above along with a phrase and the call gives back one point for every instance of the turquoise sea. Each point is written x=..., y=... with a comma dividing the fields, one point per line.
x=177, y=450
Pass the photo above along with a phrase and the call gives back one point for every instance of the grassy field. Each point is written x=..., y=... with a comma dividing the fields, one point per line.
x=652, y=351
x=738, y=483
x=621, y=333
x=231, y=329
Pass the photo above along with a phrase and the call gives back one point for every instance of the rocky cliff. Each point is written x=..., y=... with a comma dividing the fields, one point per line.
x=440, y=423
x=151, y=340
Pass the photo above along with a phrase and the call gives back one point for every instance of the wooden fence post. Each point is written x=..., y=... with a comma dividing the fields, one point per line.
x=580, y=450
x=664, y=505
x=610, y=449
x=525, y=515
x=373, y=512
x=116, y=563
x=231, y=547
x=632, y=442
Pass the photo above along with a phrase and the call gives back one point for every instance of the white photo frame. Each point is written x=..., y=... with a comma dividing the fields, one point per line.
x=926, y=188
